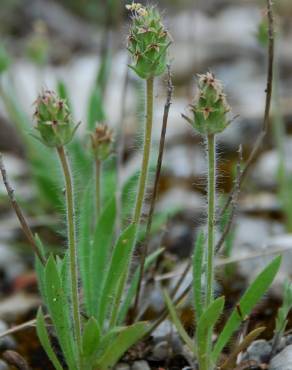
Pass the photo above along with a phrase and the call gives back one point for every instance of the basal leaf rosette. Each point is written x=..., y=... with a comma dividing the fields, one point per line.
x=210, y=110
x=53, y=120
x=148, y=41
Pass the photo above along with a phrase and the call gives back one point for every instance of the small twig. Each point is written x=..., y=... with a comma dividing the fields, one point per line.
x=234, y=202
x=181, y=279
x=24, y=225
x=23, y=326
x=15, y=359
x=269, y=88
x=155, y=187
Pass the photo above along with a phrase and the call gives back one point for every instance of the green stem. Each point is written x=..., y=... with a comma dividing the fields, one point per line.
x=72, y=245
x=97, y=187
x=206, y=362
x=146, y=151
x=211, y=218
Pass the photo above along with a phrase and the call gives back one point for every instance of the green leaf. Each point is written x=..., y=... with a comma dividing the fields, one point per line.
x=250, y=298
x=86, y=216
x=204, y=330
x=127, y=337
x=65, y=274
x=63, y=93
x=95, y=109
x=197, y=275
x=175, y=319
x=134, y=284
x=118, y=265
x=91, y=337
x=59, y=311
x=159, y=219
x=129, y=192
x=45, y=340
x=40, y=269
x=100, y=253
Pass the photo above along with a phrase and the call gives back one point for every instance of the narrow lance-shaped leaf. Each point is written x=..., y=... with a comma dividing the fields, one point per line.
x=134, y=285
x=204, y=330
x=121, y=255
x=40, y=269
x=45, y=340
x=59, y=311
x=250, y=298
x=175, y=319
x=128, y=336
x=85, y=244
x=100, y=253
x=91, y=338
x=63, y=93
x=197, y=275
x=95, y=108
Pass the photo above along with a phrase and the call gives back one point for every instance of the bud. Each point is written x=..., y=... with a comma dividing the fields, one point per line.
x=38, y=44
x=54, y=121
x=148, y=41
x=211, y=108
x=102, y=142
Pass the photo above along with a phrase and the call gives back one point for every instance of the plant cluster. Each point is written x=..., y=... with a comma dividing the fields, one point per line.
x=87, y=291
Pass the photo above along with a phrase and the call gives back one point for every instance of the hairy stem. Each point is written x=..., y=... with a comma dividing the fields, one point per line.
x=211, y=218
x=154, y=190
x=146, y=151
x=72, y=243
x=211, y=236
x=98, y=187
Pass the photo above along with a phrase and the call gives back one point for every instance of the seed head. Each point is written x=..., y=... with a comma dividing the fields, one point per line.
x=53, y=120
x=148, y=41
x=102, y=142
x=210, y=109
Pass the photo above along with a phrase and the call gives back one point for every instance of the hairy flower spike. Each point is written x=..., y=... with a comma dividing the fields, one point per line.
x=148, y=41
x=211, y=107
x=53, y=120
x=102, y=142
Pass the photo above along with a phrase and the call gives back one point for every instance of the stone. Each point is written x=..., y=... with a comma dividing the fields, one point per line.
x=161, y=351
x=122, y=366
x=140, y=365
x=258, y=351
x=7, y=342
x=283, y=360
x=3, y=365
x=165, y=329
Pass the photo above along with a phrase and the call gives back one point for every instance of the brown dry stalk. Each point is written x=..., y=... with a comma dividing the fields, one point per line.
x=22, y=220
x=144, y=251
x=269, y=90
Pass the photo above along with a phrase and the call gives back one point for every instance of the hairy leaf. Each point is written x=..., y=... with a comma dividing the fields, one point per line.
x=134, y=284
x=45, y=340
x=59, y=311
x=197, y=275
x=204, y=329
x=91, y=338
x=118, y=265
x=250, y=298
x=99, y=259
x=175, y=319
x=127, y=337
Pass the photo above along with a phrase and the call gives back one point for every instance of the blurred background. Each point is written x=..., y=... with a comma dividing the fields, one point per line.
x=78, y=47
